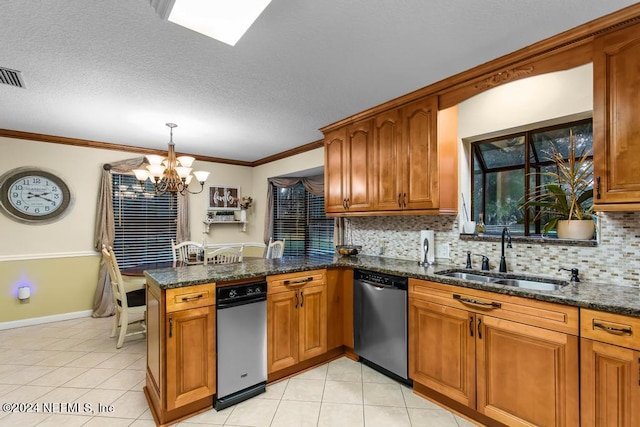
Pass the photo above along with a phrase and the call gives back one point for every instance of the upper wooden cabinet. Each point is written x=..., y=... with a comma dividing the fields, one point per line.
x=348, y=159
x=616, y=126
x=402, y=160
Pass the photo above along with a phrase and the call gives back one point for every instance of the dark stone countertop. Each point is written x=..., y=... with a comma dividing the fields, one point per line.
x=613, y=298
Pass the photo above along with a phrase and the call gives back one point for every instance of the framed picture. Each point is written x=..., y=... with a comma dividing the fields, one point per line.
x=224, y=198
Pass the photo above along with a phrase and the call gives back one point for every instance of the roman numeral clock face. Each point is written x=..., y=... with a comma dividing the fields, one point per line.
x=33, y=195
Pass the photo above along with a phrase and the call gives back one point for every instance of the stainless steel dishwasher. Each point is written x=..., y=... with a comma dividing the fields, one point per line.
x=380, y=322
x=241, y=334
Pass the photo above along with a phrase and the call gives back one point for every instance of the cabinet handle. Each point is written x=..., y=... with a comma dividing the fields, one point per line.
x=344, y=203
x=612, y=330
x=296, y=300
x=471, y=325
x=297, y=282
x=347, y=199
x=597, y=187
x=302, y=298
x=491, y=304
x=197, y=297
x=479, y=327
x=400, y=200
x=404, y=200
x=170, y=327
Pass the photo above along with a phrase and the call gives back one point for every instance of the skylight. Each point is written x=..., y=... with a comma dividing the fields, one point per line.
x=223, y=20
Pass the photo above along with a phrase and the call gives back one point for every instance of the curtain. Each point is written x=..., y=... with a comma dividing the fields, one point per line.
x=313, y=184
x=103, y=304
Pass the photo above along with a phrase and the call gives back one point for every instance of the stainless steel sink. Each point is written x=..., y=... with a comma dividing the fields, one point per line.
x=468, y=276
x=529, y=284
x=538, y=285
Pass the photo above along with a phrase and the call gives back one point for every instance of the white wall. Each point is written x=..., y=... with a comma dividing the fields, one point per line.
x=524, y=104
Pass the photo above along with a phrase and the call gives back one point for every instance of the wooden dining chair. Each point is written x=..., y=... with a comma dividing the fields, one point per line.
x=187, y=251
x=275, y=249
x=226, y=255
x=130, y=304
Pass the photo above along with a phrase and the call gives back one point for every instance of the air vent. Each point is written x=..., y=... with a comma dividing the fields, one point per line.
x=11, y=77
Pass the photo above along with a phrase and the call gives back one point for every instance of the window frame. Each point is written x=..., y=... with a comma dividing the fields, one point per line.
x=160, y=250
x=281, y=223
x=537, y=165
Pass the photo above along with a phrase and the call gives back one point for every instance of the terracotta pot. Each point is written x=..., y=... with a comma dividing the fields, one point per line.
x=576, y=229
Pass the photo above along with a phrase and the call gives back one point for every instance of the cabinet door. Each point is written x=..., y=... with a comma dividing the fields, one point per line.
x=282, y=330
x=358, y=166
x=388, y=161
x=312, y=322
x=616, y=132
x=526, y=375
x=442, y=349
x=335, y=180
x=609, y=385
x=420, y=138
x=190, y=355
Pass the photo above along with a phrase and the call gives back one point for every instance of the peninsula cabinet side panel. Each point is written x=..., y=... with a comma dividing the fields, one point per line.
x=155, y=346
x=610, y=385
x=616, y=123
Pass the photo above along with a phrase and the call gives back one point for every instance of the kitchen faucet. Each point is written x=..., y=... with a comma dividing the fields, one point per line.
x=503, y=262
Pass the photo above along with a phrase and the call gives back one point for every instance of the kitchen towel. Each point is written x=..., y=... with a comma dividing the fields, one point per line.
x=427, y=247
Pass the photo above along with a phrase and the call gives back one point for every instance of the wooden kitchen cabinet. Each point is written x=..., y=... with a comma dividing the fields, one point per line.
x=181, y=353
x=616, y=129
x=296, y=318
x=609, y=369
x=348, y=174
x=401, y=159
x=510, y=359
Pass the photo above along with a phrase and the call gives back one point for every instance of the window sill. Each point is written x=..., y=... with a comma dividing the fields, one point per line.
x=529, y=239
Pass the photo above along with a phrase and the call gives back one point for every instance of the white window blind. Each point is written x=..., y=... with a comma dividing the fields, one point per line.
x=299, y=217
x=145, y=222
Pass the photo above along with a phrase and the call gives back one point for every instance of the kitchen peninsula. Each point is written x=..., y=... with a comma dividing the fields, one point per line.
x=181, y=318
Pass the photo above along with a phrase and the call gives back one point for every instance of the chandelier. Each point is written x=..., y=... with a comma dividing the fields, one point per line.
x=172, y=174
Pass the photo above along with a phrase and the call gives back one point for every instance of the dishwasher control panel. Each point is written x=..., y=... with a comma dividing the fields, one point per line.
x=227, y=294
x=381, y=279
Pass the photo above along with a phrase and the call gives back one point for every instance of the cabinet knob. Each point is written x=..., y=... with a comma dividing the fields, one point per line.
x=598, y=187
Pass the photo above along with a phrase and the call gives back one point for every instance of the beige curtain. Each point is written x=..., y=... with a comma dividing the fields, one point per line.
x=313, y=184
x=103, y=305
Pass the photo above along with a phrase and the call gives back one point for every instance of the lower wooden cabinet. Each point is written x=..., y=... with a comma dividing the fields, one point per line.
x=489, y=352
x=190, y=356
x=181, y=352
x=296, y=318
x=609, y=370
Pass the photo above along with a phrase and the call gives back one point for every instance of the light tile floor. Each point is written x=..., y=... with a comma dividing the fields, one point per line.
x=75, y=375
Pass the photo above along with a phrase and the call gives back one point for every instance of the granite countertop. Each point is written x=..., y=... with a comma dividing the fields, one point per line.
x=613, y=298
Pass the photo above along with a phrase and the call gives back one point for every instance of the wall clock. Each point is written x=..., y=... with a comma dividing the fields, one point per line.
x=34, y=195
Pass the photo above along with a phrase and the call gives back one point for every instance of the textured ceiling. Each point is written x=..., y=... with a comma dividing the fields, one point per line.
x=113, y=71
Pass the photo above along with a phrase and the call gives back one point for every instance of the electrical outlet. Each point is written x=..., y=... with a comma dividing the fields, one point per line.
x=442, y=251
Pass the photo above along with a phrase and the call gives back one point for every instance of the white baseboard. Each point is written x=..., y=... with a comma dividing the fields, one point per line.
x=45, y=319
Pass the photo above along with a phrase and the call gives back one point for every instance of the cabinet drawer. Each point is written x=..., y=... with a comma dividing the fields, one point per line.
x=190, y=297
x=610, y=328
x=542, y=314
x=302, y=279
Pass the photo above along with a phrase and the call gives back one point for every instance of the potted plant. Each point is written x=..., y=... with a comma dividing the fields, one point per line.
x=566, y=199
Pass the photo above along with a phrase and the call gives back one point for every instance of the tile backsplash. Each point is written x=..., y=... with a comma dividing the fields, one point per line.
x=616, y=258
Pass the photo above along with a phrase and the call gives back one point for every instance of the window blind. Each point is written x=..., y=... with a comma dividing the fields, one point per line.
x=145, y=222
x=299, y=217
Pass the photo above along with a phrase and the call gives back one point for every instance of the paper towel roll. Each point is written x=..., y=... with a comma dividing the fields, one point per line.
x=427, y=247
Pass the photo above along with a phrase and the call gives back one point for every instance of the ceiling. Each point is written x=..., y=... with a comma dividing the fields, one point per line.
x=113, y=71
